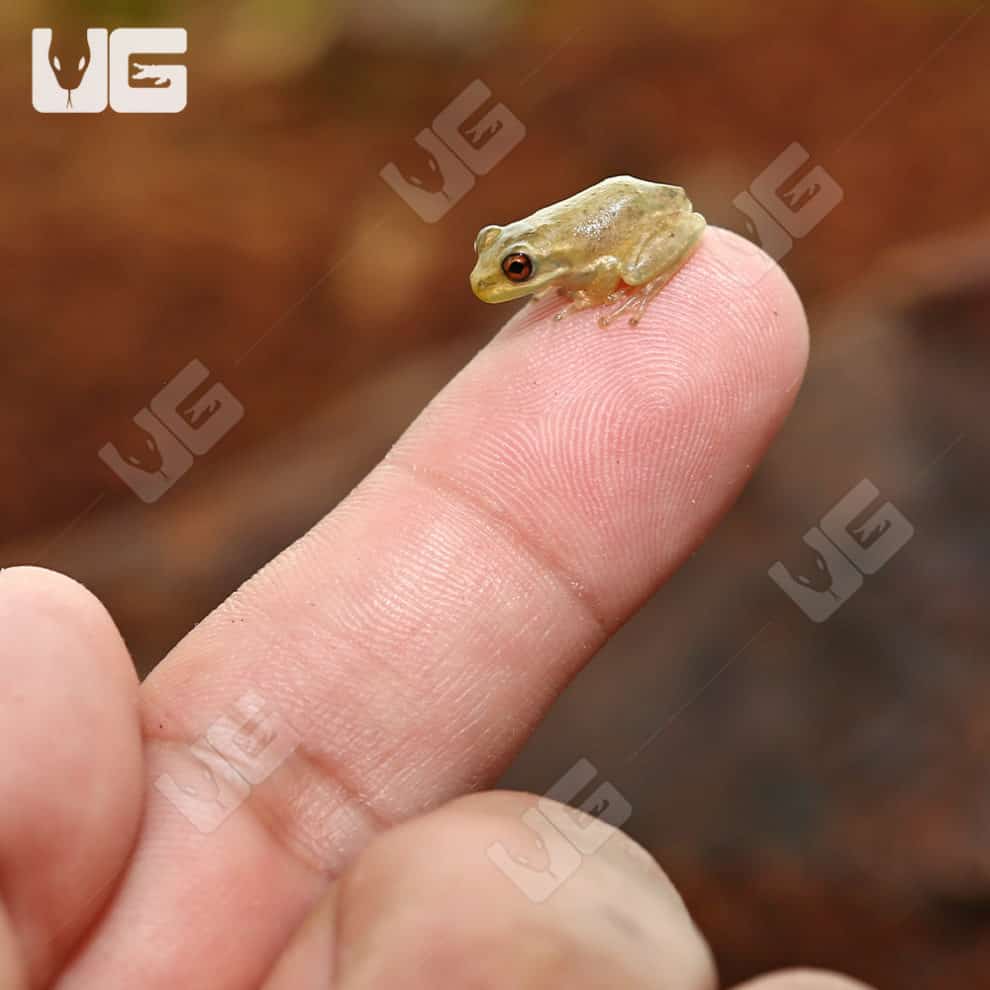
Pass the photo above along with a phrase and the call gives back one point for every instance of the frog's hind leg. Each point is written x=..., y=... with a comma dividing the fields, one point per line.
x=640, y=296
x=576, y=301
x=597, y=287
x=656, y=263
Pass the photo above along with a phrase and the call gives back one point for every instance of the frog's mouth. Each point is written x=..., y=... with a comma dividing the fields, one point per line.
x=495, y=287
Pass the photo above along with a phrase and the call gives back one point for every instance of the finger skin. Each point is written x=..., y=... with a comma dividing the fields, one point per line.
x=425, y=908
x=416, y=636
x=71, y=780
x=308, y=961
x=12, y=974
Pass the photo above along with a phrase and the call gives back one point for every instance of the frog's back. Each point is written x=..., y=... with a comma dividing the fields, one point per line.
x=601, y=212
x=629, y=187
x=617, y=191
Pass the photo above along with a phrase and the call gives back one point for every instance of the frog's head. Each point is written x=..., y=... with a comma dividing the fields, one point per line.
x=510, y=264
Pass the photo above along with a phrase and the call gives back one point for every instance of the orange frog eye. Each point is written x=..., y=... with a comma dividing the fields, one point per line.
x=517, y=267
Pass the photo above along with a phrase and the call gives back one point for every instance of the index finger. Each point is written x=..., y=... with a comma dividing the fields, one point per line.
x=416, y=635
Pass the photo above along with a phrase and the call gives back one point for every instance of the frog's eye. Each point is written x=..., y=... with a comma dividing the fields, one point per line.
x=517, y=267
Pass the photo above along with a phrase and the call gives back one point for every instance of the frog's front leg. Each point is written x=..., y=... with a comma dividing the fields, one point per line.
x=594, y=287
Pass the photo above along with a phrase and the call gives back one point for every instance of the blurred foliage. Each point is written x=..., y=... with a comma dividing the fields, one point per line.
x=124, y=13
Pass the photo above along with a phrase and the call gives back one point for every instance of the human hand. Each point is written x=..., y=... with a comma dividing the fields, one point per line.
x=405, y=648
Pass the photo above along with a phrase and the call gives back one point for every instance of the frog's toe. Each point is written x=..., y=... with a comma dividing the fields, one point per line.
x=631, y=298
x=604, y=319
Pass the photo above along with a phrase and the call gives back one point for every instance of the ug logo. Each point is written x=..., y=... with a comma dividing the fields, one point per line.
x=83, y=72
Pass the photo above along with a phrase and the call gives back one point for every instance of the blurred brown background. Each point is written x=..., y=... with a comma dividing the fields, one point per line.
x=818, y=791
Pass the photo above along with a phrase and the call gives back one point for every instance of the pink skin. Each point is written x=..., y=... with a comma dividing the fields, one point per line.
x=413, y=639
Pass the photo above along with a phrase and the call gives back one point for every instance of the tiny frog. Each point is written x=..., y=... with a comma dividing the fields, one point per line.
x=622, y=230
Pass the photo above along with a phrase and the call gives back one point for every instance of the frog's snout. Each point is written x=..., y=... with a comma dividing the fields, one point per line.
x=482, y=285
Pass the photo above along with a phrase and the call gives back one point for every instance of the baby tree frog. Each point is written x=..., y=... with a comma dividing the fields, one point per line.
x=622, y=237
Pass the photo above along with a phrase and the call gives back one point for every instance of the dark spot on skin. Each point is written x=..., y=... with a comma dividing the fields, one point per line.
x=625, y=923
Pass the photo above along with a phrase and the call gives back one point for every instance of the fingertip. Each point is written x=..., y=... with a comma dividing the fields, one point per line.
x=734, y=294
x=803, y=979
x=27, y=591
x=740, y=269
x=70, y=801
x=508, y=893
x=727, y=275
